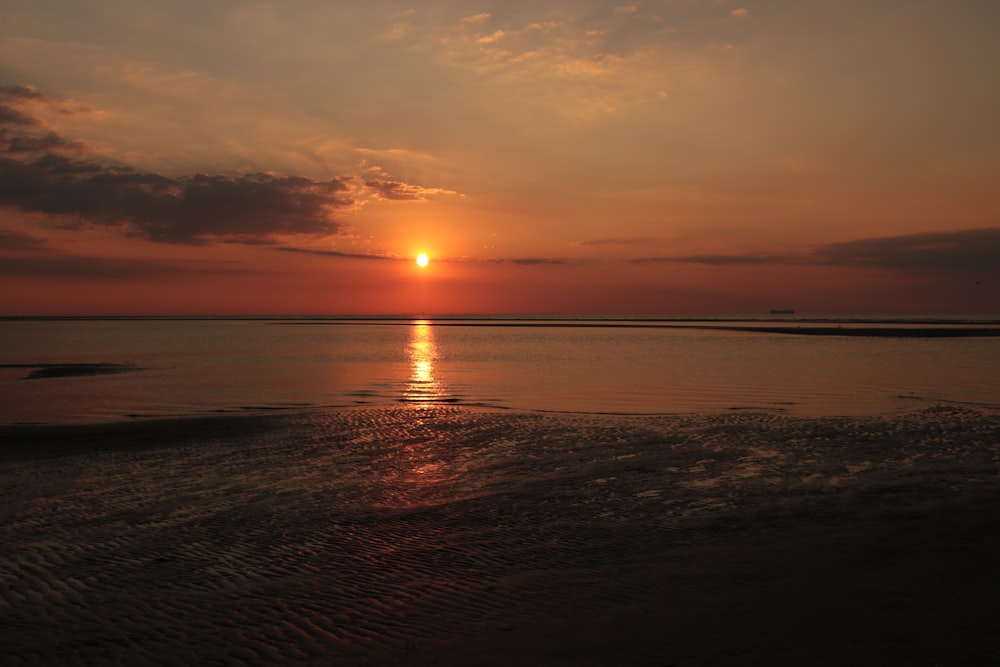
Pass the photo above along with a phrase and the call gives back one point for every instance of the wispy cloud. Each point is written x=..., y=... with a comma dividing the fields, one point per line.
x=336, y=253
x=720, y=260
x=475, y=19
x=24, y=132
x=579, y=61
x=22, y=92
x=384, y=188
x=535, y=261
x=615, y=241
x=515, y=261
x=492, y=37
x=21, y=96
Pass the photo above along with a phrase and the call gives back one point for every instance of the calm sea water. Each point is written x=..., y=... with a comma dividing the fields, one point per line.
x=190, y=367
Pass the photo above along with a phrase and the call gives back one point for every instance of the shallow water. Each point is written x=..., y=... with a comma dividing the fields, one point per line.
x=180, y=367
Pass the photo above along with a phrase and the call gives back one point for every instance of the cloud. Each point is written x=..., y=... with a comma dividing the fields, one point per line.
x=746, y=258
x=719, y=260
x=105, y=268
x=495, y=36
x=970, y=250
x=384, y=188
x=18, y=241
x=520, y=261
x=24, y=143
x=740, y=13
x=196, y=209
x=615, y=241
x=589, y=64
x=335, y=253
x=11, y=116
x=964, y=250
x=476, y=19
x=535, y=261
x=37, y=176
x=23, y=92
x=21, y=132
x=20, y=95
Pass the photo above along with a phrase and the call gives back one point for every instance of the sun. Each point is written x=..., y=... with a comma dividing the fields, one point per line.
x=423, y=260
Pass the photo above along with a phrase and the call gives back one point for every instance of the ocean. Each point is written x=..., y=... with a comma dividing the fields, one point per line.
x=95, y=370
x=494, y=492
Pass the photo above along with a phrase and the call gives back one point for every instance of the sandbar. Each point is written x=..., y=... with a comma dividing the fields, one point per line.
x=40, y=371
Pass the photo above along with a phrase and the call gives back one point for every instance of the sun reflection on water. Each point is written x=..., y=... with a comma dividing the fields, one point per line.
x=418, y=470
x=423, y=386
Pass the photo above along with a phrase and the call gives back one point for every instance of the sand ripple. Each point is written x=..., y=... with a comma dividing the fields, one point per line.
x=445, y=535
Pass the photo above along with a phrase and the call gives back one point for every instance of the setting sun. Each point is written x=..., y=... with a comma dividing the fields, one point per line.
x=422, y=260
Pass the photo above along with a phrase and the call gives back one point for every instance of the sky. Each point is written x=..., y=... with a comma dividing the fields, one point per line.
x=554, y=156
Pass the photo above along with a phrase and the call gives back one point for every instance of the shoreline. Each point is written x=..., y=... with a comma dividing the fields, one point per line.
x=455, y=536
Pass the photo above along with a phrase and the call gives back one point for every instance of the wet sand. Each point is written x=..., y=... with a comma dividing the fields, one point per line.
x=453, y=536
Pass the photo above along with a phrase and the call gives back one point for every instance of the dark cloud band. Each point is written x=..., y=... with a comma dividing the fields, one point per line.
x=718, y=260
x=968, y=250
x=12, y=117
x=334, y=253
x=106, y=268
x=197, y=209
x=964, y=250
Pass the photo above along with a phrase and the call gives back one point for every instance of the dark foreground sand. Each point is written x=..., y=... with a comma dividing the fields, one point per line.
x=447, y=536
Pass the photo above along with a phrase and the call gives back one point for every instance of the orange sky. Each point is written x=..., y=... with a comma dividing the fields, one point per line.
x=671, y=157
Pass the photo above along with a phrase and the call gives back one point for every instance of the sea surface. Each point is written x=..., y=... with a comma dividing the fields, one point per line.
x=96, y=370
x=497, y=492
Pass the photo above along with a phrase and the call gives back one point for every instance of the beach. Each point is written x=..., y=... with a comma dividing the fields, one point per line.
x=449, y=535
